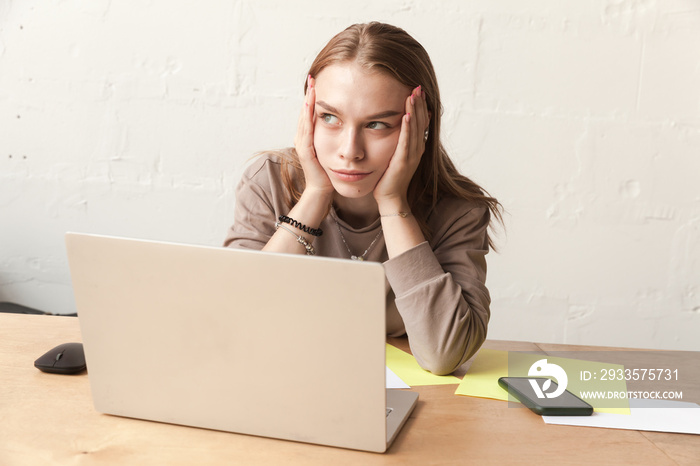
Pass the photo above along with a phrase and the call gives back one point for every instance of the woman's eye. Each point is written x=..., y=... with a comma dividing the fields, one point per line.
x=377, y=125
x=330, y=119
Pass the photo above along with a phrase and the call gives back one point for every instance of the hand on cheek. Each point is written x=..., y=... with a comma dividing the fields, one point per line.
x=316, y=178
x=392, y=190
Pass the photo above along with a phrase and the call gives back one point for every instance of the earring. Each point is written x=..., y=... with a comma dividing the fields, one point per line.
x=425, y=135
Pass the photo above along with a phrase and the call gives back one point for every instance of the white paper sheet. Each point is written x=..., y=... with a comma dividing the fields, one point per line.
x=652, y=415
x=393, y=380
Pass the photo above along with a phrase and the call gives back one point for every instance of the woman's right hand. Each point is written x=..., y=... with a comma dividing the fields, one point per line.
x=316, y=178
x=314, y=204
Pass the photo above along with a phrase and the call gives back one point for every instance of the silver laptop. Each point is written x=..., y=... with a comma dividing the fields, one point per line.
x=275, y=345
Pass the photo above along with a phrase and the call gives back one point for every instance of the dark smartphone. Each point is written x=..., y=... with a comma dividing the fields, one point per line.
x=566, y=404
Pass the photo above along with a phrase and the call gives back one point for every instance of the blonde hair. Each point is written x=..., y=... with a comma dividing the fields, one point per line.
x=391, y=50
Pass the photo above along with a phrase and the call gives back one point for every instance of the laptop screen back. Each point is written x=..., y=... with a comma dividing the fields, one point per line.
x=281, y=346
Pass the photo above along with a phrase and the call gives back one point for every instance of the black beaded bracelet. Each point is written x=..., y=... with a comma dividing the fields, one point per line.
x=301, y=226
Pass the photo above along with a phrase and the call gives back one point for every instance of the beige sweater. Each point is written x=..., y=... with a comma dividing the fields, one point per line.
x=436, y=292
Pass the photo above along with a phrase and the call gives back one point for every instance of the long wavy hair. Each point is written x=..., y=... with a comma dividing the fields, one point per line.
x=391, y=50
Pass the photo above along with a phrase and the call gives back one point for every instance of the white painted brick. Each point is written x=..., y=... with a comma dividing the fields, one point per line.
x=550, y=70
x=671, y=62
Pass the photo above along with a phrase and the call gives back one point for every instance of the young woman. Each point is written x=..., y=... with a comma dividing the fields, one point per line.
x=368, y=179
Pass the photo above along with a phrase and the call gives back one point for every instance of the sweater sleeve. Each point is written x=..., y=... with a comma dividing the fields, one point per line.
x=441, y=292
x=258, y=204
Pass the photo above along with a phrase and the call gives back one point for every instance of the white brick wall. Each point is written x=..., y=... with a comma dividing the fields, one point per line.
x=583, y=117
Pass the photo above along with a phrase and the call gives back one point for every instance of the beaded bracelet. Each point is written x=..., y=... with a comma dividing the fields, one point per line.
x=310, y=251
x=301, y=226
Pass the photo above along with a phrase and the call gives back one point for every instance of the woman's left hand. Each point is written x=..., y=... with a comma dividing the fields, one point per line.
x=392, y=189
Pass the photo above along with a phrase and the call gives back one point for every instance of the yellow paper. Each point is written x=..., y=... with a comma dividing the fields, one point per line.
x=489, y=365
x=482, y=378
x=406, y=367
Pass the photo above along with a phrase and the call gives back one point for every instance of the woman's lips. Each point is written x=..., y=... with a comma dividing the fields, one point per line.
x=349, y=175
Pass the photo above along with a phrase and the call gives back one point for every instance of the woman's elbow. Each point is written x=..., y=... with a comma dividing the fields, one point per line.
x=448, y=360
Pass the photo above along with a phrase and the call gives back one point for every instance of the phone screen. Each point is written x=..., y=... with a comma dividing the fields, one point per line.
x=566, y=404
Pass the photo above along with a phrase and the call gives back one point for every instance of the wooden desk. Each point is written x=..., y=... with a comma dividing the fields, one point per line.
x=49, y=419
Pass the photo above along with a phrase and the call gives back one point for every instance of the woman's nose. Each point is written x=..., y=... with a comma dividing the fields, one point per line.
x=352, y=147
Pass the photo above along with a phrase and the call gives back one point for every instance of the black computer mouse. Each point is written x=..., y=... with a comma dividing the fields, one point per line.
x=68, y=358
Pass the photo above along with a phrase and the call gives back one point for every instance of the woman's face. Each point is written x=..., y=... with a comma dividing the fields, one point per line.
x=358, y=121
